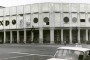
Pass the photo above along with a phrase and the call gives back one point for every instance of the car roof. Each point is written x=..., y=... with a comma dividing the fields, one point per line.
x=75, y=48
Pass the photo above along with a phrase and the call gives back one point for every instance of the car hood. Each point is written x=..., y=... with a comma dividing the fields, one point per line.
x=56, y=59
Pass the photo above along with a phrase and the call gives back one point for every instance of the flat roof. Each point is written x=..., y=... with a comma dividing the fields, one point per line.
x=75, y=48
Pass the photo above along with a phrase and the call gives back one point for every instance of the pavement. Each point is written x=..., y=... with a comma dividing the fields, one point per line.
x=29, y=51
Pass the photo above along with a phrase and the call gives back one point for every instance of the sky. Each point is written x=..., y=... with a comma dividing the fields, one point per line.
x=9, y=3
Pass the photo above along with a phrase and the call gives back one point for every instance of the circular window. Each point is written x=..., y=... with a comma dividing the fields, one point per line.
x=74, y=19
x=89, y=19
x=66, y=19
x=46, y=19
x=35, y=20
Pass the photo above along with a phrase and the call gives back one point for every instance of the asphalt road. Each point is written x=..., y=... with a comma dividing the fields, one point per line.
x=28, y=51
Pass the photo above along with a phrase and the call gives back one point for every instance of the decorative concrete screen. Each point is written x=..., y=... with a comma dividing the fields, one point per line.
x=6, y=11
x=20, y=21
x=88, y=6
x=82, y=7
x=65, y=7
x=46, y=19
x=13, y=22
x=27, y=9
x=45, y=7
x=1, y=23
x=74, y=20
x=88, y=20
x=27, y=21
x=34, y=8
x=35, y=20
x=57, y=7
x=82, y=20
x=7, y=22
x=57, y=20
x=1, y=12
x=20, y=9
x=13, y=11
x=66, y=20
x=74, y=7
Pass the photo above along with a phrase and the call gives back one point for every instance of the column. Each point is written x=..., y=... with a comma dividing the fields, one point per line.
x=24, y=35
x=10, y=36
x=86, y=34
x=32, y=36
x=79, y=36
x=41, y=35
x=17, y=36
x=51, y=36
x=61, y=36
x=4, y=36
x=70, y=36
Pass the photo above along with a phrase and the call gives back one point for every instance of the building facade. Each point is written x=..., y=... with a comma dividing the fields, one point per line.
x=45, y=23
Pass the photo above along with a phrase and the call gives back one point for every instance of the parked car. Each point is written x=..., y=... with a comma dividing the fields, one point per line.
x=71, y=53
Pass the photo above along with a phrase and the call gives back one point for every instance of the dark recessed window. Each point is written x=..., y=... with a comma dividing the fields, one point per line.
x=46, y=20
x=35, y=20
x=66, y=19
x=82, y=20
x=74, y=19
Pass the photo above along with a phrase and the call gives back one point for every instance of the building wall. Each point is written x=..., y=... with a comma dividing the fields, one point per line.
x=58, y=17
x=56, y=12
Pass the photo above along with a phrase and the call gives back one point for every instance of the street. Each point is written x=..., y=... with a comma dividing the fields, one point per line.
x=28, y=51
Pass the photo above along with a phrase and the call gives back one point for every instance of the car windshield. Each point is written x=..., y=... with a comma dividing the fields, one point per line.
x=61, y=53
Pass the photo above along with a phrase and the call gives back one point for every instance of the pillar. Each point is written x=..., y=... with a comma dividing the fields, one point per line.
x=17, y=36
x=70, y=32
x=10, y=36
x=41, y=35
x=86, y=34
x=61, y=36
x=24, y=35
x=79, y=36
x=4, y=36
x=51, y=36
x=32, y=36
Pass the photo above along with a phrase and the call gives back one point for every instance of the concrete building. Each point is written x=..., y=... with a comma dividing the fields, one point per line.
x=45, y=23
